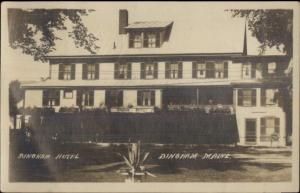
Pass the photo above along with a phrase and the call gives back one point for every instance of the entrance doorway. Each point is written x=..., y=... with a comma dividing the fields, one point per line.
x=250, y=131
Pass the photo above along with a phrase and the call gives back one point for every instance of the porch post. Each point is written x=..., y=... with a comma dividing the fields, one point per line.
x=197, y=96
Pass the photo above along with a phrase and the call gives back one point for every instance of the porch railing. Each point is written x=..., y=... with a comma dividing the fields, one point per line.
x=220, y=108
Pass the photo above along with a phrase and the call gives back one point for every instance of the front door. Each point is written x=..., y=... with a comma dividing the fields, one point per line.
x=250, y=131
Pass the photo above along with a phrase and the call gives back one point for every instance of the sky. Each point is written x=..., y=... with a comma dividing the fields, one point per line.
x=103, y=23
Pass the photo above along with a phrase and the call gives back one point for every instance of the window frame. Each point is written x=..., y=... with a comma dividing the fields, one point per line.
x=252, y=97
x=70, y=91
x=69, y=72
x=49, y=97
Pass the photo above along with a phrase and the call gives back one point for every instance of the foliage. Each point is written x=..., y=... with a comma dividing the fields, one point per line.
x=25, y=25
x=135, y=161
x=272, y=28
x=16, y=94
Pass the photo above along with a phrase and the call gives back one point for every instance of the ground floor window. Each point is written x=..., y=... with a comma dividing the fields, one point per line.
x=146, y=98
x=85, y=97
x=51, y=98
x=269, y=129
x=114, y=98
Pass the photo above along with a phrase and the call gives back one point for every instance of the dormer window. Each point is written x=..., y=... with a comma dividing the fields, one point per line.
x=151, y=40
x=137, y=40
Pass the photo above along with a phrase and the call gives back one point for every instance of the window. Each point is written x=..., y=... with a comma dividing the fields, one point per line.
x=85, y=98
x=271, y=67
x=200, y=70
x=151, y=40
x=114, y=98
x=146, y=98
x=51, y=98
x=247, y=97
x=137, y=40
x=219, y=70
x=66, y=71
x=149, y=70
x=269, y=129
x=68, y=94
x=248, y=70
x=90, y=71
x=123, y=71
x=173, y=70
x=269, y=97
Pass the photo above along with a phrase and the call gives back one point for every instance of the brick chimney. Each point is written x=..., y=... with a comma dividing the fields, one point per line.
x=123, y=20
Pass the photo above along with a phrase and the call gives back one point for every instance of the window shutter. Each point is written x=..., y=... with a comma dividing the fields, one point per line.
x=130, y=40
x=253, y=71
x=79, y=98
x=45, y=98
x=153, y=98
x=57, y=97
x=145, y=42
x=120, y=98
x=167, y=70
x=60, y=72
x=84, y=71
x=129, y=70
x=194, y=70
x=240, y=97
x=139, y=98
x=225, y=69
x=263, y=126
x=72, y=71
x=155, y=70
x=157, y=40
x=263, y=97
x=97, y=71
x=143, y=70
x=253, y=97
x=277, y=125
x=91, y=98
x=180, y=70
x=116, y=70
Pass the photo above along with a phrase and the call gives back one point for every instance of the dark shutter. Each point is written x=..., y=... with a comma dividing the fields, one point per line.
x=79, y=98
x=253, y=97
x=72, y=71
x=264, y=70
x=262, y=126
x=180, y=70
x=97, y=71
x=120, y=98
x=240, y=97
x=131, y=40
x=167, y=70
x=128, y=70
x=145, y=42
x=91, y=98
x=225, y=69
x=61, y=72
x=277, y=125
x=253, y=70
x=157, y=40
x=139, y=98
x=152, y=98
x=57, y=97
x=143, y=71
x=194, y=70
x=155, y=70
x=84, y=71
x=263, y=97
x=45, y=98
x=116, y=70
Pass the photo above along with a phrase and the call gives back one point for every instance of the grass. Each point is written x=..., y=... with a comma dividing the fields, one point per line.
x=100, y=164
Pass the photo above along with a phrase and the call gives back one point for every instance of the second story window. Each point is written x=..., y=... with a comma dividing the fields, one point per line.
x=210, y=69
x=90, y=71
x=122, y=71
x=248, y=71
x=219, y=70
x=271, y=67
x=173, y=70
x=269, y=97
x=199, y=70
x=247, y=97
x=149, y=70
x=66, y=72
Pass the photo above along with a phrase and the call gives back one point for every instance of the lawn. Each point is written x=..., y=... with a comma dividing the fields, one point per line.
x=99, y=163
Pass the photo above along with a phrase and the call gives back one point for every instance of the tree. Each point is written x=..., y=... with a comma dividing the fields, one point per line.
x=16, y=94
x=34, y=30
x=272, y=28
